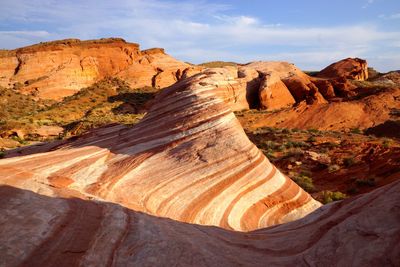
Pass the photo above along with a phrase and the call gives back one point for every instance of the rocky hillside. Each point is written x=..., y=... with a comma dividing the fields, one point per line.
x=172, y=166
x=57, y=69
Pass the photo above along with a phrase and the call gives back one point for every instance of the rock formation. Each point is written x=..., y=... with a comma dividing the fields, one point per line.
x=57, y=69
x=349, y=68
x=282, y=84
x=279, y=84
x=59, y=227
x=188, y=159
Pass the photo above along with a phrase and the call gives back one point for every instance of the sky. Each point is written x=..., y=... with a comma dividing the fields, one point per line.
x=310, y=33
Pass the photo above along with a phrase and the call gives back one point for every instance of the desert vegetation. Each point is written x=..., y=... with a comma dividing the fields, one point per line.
x=108, y=101
x=331, y=165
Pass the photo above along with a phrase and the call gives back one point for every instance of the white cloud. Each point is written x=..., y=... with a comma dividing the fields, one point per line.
x=194, y=31
x=368, y=3
x=392, y=16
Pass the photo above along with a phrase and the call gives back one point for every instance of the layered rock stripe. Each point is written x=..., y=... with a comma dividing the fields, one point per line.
x=188, y=159
x=38, y=230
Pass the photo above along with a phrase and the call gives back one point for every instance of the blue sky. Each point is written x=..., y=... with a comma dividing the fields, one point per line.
x=311, y=34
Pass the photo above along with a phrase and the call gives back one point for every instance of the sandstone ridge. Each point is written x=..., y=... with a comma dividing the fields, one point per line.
x=53, y=70
x=188, y=159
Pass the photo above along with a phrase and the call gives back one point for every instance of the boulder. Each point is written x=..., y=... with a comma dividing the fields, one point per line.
x=273, y=93
x=325, y=87
x=350, y=68
x=304, y=90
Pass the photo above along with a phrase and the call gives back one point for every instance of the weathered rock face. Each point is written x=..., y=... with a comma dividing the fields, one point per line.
x=59, y=228
x=350, y=68
x=273, y=93
x=188, y=159
x=61, y=68
x=325, y=87
x=281, y=84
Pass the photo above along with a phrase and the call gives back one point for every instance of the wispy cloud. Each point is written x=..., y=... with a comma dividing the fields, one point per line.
x=192, y=31
x=392, y=16
x=368, y=3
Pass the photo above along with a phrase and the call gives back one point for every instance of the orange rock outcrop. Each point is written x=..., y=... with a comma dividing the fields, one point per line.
x=188, y=159
x=349, y=68
x=57, y=69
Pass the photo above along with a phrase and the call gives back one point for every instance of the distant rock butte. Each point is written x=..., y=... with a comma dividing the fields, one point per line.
x=282, y=84
x=57, y=69
x=350, y=68
x=188, y=159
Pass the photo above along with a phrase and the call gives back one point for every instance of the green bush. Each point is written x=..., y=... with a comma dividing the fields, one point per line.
x=296, y=144
x=304, y=182
x=356, y=131
x=313, y=130
x=328, y=196
x=311, y=139
x=296, y=152
x=387, y=143
x=333, y=168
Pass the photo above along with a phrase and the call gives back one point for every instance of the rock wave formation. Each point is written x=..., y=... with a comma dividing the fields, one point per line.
x=38, y=230
x=53, y=70
x=188, y=159
x=92, y=201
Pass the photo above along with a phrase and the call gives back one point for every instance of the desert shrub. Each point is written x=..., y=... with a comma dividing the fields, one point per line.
x=19, y=140
x=297, y=152
x=269, y=145
x=306, y=173
x=311, y=139
x=296, y=144
x=356, y=131
x=269, y=153
x=2, y=154
x=366, y=182
x=304, y=182
x=348, y=162
x=331, y=144
x=387, y=143
x=328, y=196
x=333, y=168
x=313, y=130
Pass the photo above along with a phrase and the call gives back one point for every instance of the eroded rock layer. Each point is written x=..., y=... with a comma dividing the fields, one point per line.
x=37, y=230
x=188, y=159
x=57, y=69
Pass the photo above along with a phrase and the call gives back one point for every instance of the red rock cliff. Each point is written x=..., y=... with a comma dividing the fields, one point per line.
x=57, y=69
